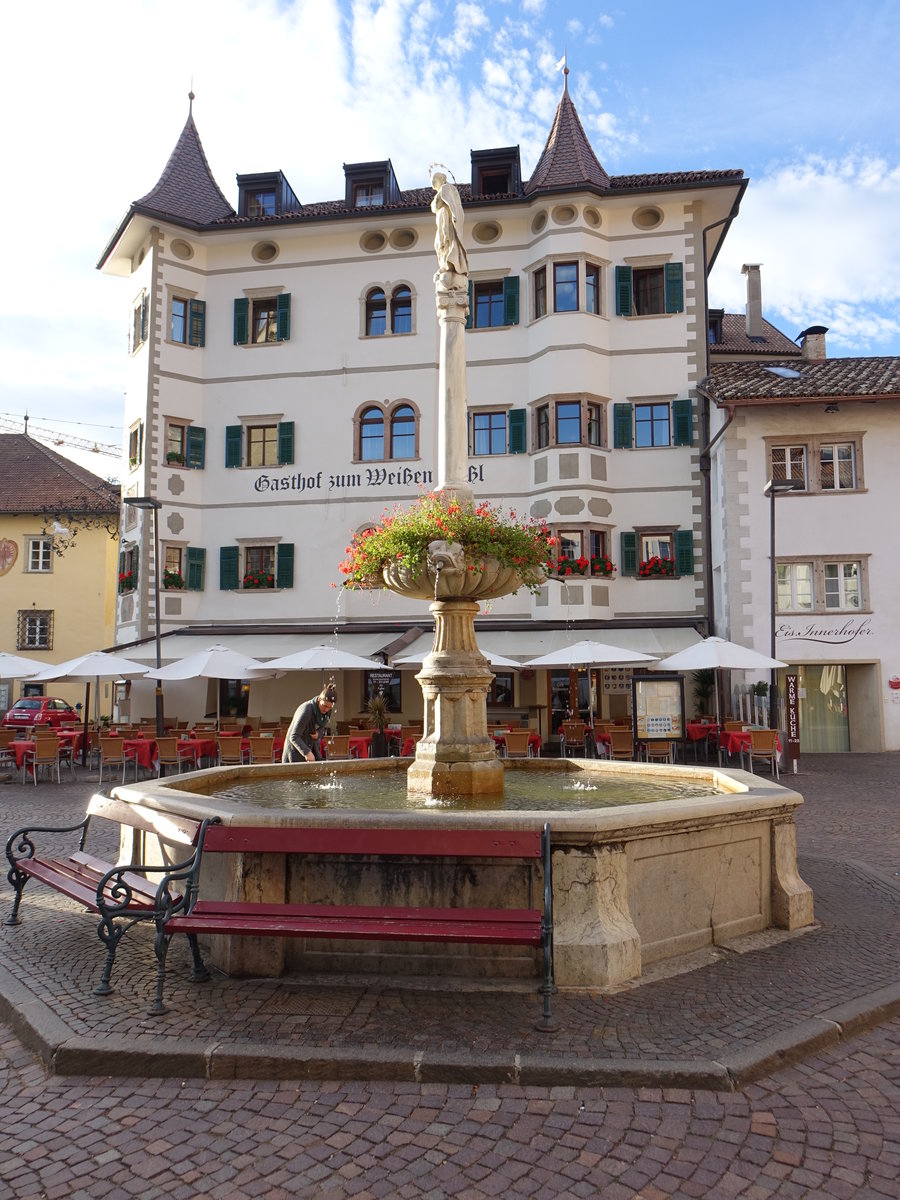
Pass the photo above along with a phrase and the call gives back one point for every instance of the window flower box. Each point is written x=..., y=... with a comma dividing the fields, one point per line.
x=662, y=567
x=598, y=566
x=175, y=456
x=254, y=580
x=173, y=580
x=127, y=581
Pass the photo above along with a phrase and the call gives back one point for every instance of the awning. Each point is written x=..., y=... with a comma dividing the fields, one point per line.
x=260, y=644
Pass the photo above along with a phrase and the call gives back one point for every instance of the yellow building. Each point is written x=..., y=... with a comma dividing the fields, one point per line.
x=58, y=574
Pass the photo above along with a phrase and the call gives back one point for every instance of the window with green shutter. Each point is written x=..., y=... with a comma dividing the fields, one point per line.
x=284, y=565
x=233, y=440
x=684, y=551
x=674, y=287
x=197, y=323
x=628, y=556
x=229, y=568
x=285, y=443
x=683, y=426
x=517, y=430
x=623, y=291
x=195, y=568
x=283, y=317
x=196, y=447
x=241, y=321
x=511, y=300
x=622, y=426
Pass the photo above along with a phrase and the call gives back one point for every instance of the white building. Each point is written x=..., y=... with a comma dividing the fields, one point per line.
x=283, y=394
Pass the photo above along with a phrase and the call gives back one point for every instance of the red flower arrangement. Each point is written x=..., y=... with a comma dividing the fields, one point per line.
x=597, y=564
x=657, y=566
x=258, y=579
x=126, y=581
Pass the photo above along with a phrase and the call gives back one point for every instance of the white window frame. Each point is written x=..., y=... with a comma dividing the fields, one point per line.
x=812, y=446
x=817, y=565
x=40, y=547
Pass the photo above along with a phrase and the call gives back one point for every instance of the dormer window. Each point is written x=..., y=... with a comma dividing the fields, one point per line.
x=496, y=172
x=370, y=185
x=261, y=203
x=265, y=195
x=368, y=195
x=716, y=316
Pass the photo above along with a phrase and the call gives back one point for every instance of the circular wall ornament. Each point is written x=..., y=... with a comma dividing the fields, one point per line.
x=647, y=218
x=403, y=239
x=486, y=231
x=592, y=217
x=265, y=252
x=373, y=241
x=565, y=214
x=539, y=222
x=182, y=249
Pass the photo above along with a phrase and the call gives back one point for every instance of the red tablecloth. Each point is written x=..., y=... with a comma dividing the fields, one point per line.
x=697, y=731
x=20, y=747
x=198, y=747
x=141, y=749
x=360, y=744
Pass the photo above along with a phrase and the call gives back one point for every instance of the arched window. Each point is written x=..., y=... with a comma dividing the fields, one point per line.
x=401, y=310
x=376, y=313
x=371, y=435
x=403, y=432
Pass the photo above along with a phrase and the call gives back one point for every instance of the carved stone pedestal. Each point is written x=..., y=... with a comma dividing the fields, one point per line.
x=456, y=755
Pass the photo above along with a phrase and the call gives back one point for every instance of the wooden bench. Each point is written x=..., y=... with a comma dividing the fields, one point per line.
x=121, y=893
x=187, y=911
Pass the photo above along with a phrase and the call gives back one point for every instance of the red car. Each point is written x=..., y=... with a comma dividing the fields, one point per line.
x=41, y=710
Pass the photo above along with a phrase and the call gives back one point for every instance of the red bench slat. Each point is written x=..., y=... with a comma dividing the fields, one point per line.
x=430, y=843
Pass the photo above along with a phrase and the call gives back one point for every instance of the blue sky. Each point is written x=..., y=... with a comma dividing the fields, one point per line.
x=802, y=96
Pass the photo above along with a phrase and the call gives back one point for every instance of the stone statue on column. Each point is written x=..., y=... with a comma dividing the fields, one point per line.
x=453, y=262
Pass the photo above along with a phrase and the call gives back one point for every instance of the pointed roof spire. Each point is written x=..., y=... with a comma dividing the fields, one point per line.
x=186, y=190
x=567, y=160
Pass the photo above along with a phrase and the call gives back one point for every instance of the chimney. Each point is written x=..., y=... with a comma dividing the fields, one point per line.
x=754, y=300
x=812, y=342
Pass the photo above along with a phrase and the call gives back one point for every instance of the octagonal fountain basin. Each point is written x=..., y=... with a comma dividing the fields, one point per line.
x=649, y=862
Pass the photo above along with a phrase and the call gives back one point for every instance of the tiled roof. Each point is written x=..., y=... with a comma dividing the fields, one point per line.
x=567, y=159
x=735, y=339
x=35, y=479
x=186, y=189
x=673, y=179
x=833, y=378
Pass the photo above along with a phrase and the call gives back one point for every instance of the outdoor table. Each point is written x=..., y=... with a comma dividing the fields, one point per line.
x=198, y=747
x=408, y=749
x=360, y=745
x=19, y=747
x=142, y=750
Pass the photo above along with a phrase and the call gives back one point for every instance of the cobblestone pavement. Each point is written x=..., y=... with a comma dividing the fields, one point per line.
x=826, y=1126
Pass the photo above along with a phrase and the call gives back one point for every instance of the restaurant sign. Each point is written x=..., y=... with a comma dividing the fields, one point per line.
x=839, y=634
x=364, y=480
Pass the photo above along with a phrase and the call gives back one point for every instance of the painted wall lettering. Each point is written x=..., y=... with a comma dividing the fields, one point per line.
x=838, y=635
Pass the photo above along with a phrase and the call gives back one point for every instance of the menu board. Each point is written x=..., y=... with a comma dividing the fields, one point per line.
x=658, y=706
x=616, y=679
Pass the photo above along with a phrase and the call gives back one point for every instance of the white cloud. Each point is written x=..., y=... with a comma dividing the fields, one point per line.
x=828, y=235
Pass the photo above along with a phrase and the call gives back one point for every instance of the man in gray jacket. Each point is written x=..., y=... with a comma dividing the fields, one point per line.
x=310, y=721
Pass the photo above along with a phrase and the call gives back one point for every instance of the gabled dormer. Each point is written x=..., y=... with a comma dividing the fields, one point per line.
x=267, y=194
x=497, y=172
x=370, y=185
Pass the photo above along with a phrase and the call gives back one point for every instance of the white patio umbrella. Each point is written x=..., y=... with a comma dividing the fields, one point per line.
x=216, y=662
x=591, y=654
x=495, y=660
x=96, y=665
x=322, y=658
x=715, y=653
x=14, y=666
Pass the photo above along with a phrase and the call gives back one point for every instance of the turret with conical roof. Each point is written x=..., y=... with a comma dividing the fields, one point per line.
x=567, y=160
x=186, y=190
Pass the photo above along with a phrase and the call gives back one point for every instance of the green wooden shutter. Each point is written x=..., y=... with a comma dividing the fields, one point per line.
x=285, y=443
x=683, y=425
x=511, y=300
x=516, y=431
x=470, y=315
x=284, y=565
x=145, y=316
x=233, y=438
x=121, y=564
x=684, y=551
x=623, y=291
x=674, y=287
x=622, y=426
x=283, y=317
x=241, y=321
x=229, y=572
x=629, y=563
x=197, y=323
x=195, y=568
x=140, y=442
x=196, y=447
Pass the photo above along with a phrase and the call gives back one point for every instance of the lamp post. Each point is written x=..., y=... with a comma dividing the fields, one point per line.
x=150, y=502
x=773, y=488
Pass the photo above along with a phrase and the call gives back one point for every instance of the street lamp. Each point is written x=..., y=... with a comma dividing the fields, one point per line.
x=773, y=488
x=150, y=502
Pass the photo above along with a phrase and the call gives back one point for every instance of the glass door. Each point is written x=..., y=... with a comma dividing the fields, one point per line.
x=824, y=718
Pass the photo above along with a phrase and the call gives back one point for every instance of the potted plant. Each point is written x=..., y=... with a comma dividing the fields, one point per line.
x=175, y=456
x=658, y=567
x=126, y=581
x=379, y=715
x=172, y=579
x=394, y=554
x=258, y=579
x=704, y=684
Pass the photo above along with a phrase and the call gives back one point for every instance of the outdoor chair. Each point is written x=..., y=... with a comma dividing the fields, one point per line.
x=621, y=743
x=230, y=752
x=763, y=745
x=167, y=754
x=112, y=754
x=517, y=743
x=658, y=750
x=261, y=748
x=7, y=757
x=337, y=746
x=572, y=739
x=44, y=756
